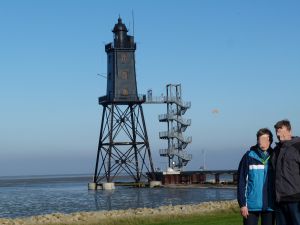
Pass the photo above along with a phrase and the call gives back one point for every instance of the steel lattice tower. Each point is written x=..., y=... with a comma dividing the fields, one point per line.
x=123, y=143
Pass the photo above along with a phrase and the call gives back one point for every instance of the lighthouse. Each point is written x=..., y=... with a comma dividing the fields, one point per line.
x=123, y=147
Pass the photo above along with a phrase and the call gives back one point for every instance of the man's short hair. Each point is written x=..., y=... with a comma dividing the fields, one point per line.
x=263, y=131
x=283, y=123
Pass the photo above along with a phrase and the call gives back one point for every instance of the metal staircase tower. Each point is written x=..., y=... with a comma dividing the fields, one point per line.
x=177, y=143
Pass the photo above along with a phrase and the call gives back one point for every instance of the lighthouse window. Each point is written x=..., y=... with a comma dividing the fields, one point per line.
x=125, y=92
x=124, y=75
x=123, y=58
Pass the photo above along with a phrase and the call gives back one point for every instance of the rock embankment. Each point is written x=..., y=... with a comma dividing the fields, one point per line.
x=93, y=217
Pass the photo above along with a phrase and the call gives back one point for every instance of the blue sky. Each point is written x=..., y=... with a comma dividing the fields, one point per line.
x=241, y=57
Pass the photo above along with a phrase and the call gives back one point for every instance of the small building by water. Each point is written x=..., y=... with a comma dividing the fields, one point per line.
x=197, y=177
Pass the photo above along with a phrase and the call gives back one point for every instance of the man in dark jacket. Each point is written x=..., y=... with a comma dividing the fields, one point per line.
x=286, y=164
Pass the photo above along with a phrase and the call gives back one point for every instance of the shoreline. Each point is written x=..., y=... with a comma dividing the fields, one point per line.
x=96, y=216
x=207, y=185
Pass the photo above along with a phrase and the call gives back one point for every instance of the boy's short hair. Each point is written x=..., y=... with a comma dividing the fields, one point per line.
x=263, y=131
x=283, y=123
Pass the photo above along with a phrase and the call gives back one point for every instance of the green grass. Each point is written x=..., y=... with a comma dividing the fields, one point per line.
x=229, y=217
x=226, y=218
x=220, y=219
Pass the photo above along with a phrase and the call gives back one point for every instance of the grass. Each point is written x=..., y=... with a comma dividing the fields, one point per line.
x=212, y=219
x=228, y=217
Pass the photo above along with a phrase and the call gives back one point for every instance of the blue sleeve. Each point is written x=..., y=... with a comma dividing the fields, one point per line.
x=242, y=180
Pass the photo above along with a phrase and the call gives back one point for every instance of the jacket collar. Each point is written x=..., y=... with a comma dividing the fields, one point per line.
x=289, y=142
x=256, y=153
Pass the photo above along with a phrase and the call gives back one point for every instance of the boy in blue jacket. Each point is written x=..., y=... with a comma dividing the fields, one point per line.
x=254, y=190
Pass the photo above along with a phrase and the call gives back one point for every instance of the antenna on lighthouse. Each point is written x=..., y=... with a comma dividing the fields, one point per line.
x=132, y=14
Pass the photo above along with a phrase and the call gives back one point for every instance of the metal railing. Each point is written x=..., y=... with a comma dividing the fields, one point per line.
x=166, y=99
x=122, y=98
x=186, y=122
x=171, y=134
x=175, y=152
x=178, y=102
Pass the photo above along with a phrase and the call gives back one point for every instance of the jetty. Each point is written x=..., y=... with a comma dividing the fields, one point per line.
x=195, y=177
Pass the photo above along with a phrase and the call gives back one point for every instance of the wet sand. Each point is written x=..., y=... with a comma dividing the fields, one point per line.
x=93, y=217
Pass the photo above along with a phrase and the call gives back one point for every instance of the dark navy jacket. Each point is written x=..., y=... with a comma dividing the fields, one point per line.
x=255, y=177
x=286, y=165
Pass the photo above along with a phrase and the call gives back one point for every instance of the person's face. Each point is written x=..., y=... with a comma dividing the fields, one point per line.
x=283, y=134
x=264, y=142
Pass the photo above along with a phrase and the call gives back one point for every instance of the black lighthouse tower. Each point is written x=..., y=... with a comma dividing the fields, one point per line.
x=123, y=147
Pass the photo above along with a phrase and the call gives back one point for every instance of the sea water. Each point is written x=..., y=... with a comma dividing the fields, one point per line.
x=29, y=196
